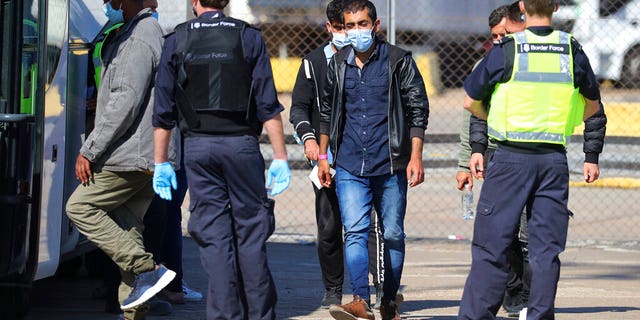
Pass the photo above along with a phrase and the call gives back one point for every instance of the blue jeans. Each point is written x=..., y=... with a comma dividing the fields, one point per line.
x=356, y=196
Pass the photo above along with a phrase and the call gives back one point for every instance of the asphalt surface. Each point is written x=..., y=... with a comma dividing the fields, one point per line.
x=596, y=283
x=599, y=279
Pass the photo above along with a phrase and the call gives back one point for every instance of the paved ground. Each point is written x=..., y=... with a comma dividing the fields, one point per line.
x=596, y=283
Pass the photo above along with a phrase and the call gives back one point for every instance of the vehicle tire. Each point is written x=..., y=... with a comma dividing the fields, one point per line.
x=631, y=70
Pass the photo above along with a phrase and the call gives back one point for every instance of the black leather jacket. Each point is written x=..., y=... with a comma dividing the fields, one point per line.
x=408, y=104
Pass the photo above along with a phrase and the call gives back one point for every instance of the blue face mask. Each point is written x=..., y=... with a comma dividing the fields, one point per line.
x=339, y=40
x=155, y=15
x=114, y=16
x=360, y=39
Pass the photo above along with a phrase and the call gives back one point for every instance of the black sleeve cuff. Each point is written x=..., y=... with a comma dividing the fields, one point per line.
x=591, y=157
x=304, y=129
x=324, y=128
x=416, y=132
x=478, y=148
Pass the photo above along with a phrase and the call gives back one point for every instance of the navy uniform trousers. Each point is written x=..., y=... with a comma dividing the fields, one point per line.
x=513, y=181
x=231, y=221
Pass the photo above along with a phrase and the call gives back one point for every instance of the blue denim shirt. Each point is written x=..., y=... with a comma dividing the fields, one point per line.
x=365, y=146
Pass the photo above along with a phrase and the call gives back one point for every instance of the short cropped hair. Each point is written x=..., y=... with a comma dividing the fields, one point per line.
x=540, y=8
x=357, y=5
x=334, y=11
x=216, y=4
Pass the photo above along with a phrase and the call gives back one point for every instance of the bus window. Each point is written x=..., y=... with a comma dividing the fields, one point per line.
x=29, y=64
x=56, y=29
x=7, y=52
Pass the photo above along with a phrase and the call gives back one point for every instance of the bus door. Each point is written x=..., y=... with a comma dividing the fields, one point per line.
x=20, y=152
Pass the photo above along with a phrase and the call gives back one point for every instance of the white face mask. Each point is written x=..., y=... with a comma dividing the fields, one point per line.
x=339, y=40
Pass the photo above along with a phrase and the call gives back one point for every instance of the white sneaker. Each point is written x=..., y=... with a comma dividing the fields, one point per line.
x=191, y=295
x=523, y=314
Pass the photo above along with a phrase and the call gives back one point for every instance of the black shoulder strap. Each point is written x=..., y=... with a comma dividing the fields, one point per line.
x=181, y=48
x=184, y=104
x=509, y=48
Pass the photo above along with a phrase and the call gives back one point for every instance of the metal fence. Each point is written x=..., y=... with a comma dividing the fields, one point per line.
x=447, y=37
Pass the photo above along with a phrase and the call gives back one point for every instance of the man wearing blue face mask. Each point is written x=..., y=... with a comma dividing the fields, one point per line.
x=305, y=106
x=114, y=15
x=374, y=114
x=111, y=274
x=114, y=164
x=163, y=232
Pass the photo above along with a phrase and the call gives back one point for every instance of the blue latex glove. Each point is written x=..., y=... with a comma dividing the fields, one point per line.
x=164, y=178
x=280, y=174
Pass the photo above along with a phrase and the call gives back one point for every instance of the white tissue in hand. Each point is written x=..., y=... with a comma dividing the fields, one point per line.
x=314, y=176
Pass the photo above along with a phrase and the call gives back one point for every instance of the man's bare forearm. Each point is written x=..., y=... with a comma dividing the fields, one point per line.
x=161, y=138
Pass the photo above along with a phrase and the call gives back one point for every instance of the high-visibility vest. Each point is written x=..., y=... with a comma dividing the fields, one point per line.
x=539, y=102
x=97, y=52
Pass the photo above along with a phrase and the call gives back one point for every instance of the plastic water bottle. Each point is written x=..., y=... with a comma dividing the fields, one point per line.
x=467, y=203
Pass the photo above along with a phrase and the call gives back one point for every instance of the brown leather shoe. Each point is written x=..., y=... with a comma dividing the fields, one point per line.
x=357, y=309
x=389, y=311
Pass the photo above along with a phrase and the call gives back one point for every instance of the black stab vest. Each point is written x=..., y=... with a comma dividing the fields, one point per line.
x=212, y=73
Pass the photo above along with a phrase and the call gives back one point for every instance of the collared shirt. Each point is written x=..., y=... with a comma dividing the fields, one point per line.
x=365, y=145
x=328, y=52
x=255, y=52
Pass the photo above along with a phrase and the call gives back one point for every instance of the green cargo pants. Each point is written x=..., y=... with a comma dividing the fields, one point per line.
x=110, y=213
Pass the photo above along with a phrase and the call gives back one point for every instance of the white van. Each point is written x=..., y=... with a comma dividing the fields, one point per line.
x=609, y=31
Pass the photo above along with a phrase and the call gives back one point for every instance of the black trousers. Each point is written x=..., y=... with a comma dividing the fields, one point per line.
x=330, y=243
x=519, y=278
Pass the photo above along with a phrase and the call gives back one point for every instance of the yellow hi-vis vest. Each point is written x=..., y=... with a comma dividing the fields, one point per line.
x=97, y=52
x=539, y=102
